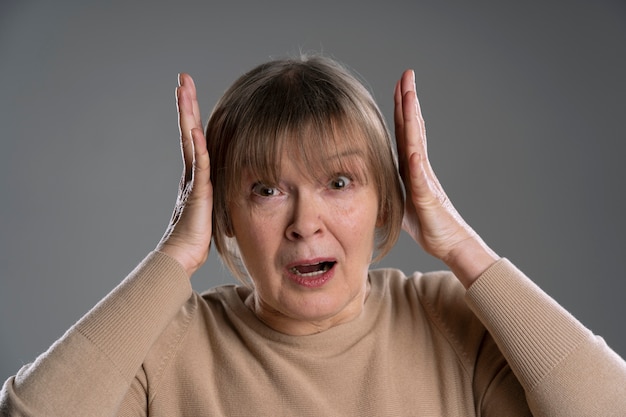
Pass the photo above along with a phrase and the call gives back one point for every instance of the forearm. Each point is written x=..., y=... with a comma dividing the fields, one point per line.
x=564, y=368
x=89, y=369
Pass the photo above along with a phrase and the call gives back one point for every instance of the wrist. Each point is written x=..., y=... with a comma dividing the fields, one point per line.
x=470, y=259
x=181, y=256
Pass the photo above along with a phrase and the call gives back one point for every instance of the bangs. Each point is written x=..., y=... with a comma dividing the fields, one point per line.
x=322, y=150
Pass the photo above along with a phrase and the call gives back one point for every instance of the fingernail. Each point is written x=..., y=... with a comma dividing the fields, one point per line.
x=180, y=79
x=413, y=75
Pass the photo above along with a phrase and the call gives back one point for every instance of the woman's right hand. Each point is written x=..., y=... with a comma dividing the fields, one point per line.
x=188, y=236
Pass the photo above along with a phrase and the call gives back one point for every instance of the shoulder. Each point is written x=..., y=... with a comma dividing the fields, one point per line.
x=439, y=298
x=190, y=335
x=436, y=291
x=195, y=319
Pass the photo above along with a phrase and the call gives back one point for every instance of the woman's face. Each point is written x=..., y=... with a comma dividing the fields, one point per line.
x=307, y=243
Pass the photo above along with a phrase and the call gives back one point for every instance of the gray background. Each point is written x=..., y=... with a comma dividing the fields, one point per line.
x=524, y=104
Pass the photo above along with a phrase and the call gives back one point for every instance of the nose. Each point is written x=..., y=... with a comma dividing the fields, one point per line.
x=306, y=219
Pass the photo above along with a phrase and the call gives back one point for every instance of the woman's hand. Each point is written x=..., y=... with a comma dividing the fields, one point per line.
x=188, y=236
x=429, y=216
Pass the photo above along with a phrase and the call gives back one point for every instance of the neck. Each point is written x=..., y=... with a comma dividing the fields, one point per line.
x=303, y=327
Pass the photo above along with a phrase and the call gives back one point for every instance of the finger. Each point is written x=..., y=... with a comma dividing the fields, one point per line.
x=397, y=112
x=399, y=124
x=201, y=162
x=191, y=115
x=414, y=129
x=424, y=186
x=194, y=101
x=188, y=119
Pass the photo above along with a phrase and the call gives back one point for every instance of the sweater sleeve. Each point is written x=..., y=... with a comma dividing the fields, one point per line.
x=88, y=371
x=565, y=370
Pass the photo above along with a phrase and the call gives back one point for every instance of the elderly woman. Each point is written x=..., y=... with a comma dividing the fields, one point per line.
x=297, y=185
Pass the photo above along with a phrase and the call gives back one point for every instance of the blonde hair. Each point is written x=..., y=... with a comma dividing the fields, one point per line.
x=311, y=104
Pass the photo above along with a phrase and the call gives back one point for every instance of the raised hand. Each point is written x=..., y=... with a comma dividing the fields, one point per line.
x=429, y=217
x=188, y=235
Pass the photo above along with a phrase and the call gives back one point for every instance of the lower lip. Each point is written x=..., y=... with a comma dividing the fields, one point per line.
x=312, y=282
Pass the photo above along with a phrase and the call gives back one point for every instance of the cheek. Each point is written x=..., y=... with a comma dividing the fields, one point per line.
x=359, y=219
x=257, y=238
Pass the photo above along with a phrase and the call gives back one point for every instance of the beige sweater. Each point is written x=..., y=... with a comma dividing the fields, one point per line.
x=420, y=348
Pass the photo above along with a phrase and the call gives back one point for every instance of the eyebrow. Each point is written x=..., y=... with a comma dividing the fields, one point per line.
x=347, y=153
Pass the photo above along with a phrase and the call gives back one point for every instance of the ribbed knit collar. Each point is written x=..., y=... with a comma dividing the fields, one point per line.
x=331, y=341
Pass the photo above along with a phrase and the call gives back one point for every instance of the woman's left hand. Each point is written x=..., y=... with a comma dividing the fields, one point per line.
x=429, y=216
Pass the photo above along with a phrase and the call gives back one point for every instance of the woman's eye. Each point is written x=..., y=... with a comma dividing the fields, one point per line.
x=264, y=190
x=340, y=182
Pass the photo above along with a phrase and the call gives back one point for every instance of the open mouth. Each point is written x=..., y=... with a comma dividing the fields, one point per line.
x=312, y=270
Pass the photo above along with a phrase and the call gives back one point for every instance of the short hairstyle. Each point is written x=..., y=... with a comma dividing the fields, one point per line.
x=311, y=103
